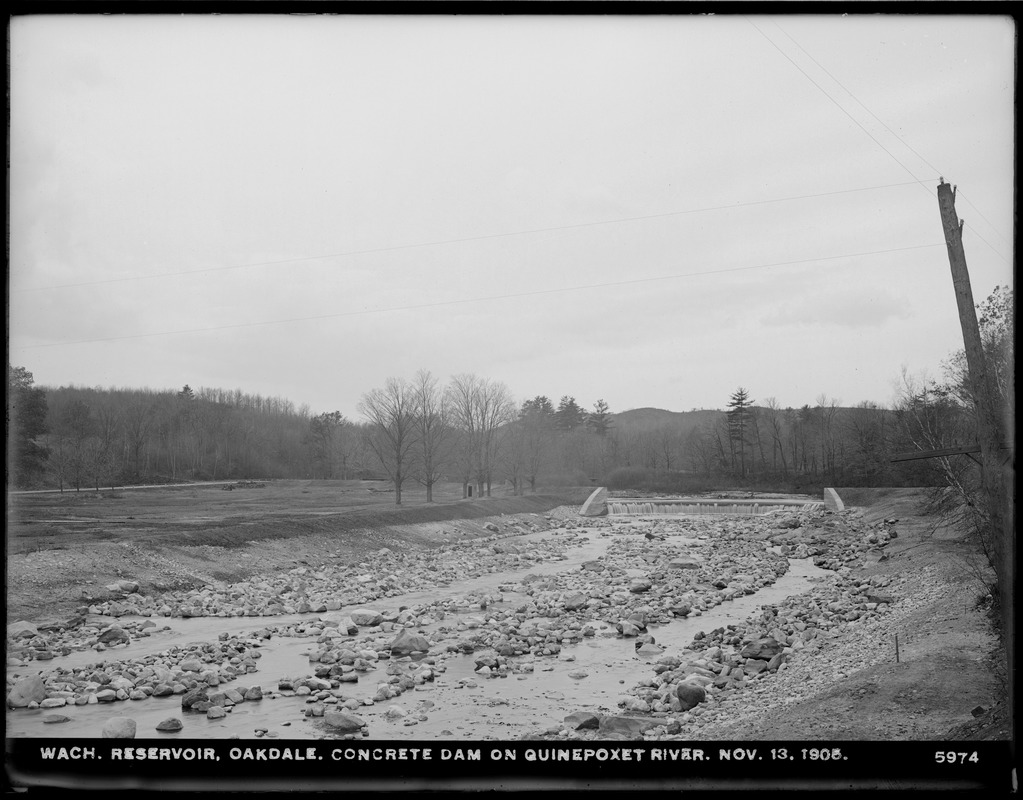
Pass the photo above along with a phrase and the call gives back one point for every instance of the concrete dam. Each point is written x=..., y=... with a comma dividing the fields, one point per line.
x=602, y=503
x=707, y=505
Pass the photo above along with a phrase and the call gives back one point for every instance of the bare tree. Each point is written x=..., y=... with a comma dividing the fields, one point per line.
x=138, y=421
x=479, y=407
x=433, y=431
x=774, y=422
x=391, y=414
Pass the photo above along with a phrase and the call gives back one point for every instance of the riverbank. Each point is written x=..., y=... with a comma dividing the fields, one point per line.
x=537, y=611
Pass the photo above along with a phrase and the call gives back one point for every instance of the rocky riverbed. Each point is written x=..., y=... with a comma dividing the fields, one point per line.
x=523, y=597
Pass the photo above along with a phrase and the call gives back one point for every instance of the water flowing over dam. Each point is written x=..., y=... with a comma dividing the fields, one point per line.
x=708, y=505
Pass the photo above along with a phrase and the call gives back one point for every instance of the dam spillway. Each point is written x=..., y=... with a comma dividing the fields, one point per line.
x=707, y=505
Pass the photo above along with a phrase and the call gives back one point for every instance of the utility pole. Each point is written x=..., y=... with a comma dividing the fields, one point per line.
x=995, y=484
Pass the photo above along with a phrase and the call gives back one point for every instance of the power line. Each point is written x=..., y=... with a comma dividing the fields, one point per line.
x=833, y=100
x=893, y=133
x=441, y=303
x=440, y=242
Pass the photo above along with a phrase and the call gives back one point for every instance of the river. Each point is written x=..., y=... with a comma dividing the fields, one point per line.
x=459, y=704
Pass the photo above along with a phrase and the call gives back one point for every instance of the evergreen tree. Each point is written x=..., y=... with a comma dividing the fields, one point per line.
x=738, y=421
x=599, y=420
x=540, y=404
x=26, y=423
x=569, y=415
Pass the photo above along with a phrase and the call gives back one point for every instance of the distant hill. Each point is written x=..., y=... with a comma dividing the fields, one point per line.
x=638, y=420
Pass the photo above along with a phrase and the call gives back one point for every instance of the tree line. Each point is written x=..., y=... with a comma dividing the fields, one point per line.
x=472, y=430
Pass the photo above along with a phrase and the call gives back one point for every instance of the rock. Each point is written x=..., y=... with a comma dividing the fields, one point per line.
x=254, y=693
x=627, y=727
x=690, y=695
x=113, y=635
x=193, y=696
x=29, y=689
x=54, y=719
x=125, y=587
x=776, y=661
x=880, y=598
x=395, y=712
x=215, y=712
x=576, y=602
x=684, y=563
x=649, y=649
x=874, y=556
x=342, y=722
x=764, y=649
x=119, y=728
x=170, y=725
x=365, y=617
x=22, y=630
x=406, y=643
x=342, y=622
x=638, y=585
x=490, y=526
x=582, y=720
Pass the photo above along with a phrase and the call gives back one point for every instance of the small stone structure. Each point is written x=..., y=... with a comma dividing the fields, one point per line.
x=832, y=502
x=596, y=504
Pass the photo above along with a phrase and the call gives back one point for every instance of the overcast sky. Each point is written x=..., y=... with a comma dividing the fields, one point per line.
x=651, y=210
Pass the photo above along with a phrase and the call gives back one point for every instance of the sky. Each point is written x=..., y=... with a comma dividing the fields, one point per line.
x=652, y=210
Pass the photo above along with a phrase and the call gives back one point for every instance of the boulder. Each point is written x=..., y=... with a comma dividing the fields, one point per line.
x=342, y=622
x=29, y=689
x=342, y=722
x=405, y=643
x=193, y=697
x=582, y=720
x=627, y=727
x=170, y=725
x=113, y=635
x=690, y=695
x=125, y=587
x=22, y=630
x=639, y=585
x=576, y=602
x=119, y=728
x=365, y=617
x=764, y=649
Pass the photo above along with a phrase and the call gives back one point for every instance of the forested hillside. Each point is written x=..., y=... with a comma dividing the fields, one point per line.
x=472, y=430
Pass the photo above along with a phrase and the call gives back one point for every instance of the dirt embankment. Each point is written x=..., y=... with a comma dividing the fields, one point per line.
x=947, y=646
x=64, y=550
